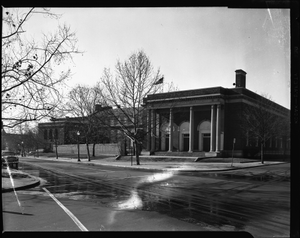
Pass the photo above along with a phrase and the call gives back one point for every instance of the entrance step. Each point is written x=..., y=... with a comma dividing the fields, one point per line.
x=211, y=154
x=199, y=154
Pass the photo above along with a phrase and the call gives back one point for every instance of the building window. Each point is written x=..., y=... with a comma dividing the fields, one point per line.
x=111, y=121
x=50, y=135
x=125, y=121
x=281, y=143
x=276, y=142
x=45, y=134
x=247, y=138
x=113, y=136
x=118, y=135
x=56, y=134
x=270, y=145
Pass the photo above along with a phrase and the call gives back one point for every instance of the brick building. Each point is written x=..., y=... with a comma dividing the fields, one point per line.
x=107, y=128
x=202, y=121
x=208, y=120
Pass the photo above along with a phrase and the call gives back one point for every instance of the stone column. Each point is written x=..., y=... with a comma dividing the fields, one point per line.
x=218, y=128
x=148, y=130
x=153, y=131
x=213, y=129
x=171, y=131
x=158, y=142
x=191, y=130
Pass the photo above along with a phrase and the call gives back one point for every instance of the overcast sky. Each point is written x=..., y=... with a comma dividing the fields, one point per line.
x=193, y=47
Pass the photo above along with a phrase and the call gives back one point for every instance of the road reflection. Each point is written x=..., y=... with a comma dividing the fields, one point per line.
x=134, y=201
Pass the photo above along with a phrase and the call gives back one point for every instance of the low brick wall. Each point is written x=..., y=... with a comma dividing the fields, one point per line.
x=111, y=149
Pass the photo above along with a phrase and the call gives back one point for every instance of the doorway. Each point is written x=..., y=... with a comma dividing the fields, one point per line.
x=206, y=142
x=204, y=135
x=183, y=136
x=186, y=142
x=167, y=142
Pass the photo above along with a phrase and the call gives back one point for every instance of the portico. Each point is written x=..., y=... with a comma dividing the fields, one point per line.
x=188, y=121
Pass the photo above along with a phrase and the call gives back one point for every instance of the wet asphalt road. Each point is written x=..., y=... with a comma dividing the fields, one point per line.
x=257, y=204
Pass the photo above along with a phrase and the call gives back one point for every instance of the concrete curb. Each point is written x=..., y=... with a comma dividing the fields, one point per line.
x=162, y=169
x=186, y=170
x=25, y=186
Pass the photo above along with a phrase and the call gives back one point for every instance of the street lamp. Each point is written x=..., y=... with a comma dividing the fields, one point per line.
x=22, y=148
x=78, y=134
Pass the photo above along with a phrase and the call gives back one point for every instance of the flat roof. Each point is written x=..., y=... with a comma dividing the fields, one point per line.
x=226, y=93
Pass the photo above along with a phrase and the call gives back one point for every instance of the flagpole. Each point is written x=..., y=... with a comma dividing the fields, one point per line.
x=160, y=82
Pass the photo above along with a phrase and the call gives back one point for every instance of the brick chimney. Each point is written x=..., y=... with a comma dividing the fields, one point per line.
x=98, y=107
x=240, y=78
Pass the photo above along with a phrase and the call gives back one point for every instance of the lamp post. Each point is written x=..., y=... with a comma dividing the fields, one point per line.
x=78, y=134
x=232, y=151
x=22, y=148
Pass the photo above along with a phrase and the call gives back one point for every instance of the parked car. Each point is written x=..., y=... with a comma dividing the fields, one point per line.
x=9, y=158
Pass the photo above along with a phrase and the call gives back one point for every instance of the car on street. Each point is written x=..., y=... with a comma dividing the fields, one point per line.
x=9, y=158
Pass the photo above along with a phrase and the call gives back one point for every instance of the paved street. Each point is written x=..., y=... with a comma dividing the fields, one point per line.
x=74, y=197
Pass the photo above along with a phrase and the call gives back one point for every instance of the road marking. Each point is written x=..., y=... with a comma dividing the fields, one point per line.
x=77, y=222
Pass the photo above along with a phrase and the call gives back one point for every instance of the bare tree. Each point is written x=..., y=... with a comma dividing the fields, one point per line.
x=29, y=70
x=81, y=105
x=135, y=78
x=262, y=121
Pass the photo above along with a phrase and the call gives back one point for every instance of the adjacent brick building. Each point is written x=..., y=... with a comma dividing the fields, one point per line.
x=208, y=120
x=107, y=128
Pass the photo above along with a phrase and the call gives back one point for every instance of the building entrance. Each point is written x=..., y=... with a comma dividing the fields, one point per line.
x=167, y=142
x=206, y=142
x=186, y=141
x=204, y=136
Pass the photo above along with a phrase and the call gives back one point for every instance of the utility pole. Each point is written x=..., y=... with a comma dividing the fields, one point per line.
x=78, y=134
x=232, y=151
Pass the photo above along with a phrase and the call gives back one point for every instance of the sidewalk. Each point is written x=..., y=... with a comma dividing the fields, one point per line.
x=18, y=180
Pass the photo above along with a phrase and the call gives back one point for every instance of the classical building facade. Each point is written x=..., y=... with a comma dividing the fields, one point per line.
x=206, y=120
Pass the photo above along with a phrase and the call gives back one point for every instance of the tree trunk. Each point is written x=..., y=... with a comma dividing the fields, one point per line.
x=88, y=151
x=94, y=145
x=262, y=152
x=137, y=154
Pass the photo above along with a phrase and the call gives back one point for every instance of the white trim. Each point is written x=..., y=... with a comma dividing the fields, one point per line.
x=188, y=97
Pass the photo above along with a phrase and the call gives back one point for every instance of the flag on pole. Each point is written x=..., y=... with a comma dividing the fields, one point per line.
x=160, y=81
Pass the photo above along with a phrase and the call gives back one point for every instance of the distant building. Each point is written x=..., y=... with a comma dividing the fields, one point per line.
x=15, y=142
x=63, y=131
x=207, y=120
